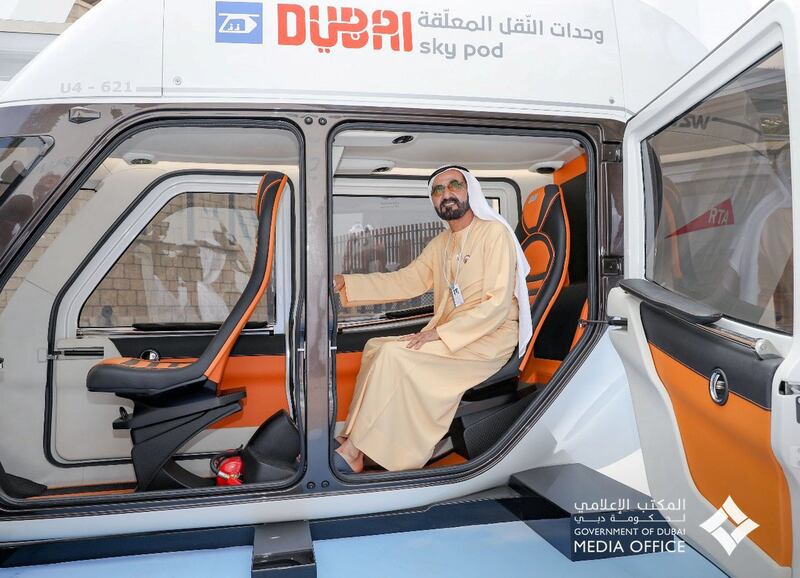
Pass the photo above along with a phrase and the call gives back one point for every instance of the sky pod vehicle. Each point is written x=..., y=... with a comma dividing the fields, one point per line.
x=180, y=181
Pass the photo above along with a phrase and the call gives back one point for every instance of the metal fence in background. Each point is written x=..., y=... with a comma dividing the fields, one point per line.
x=368, y=250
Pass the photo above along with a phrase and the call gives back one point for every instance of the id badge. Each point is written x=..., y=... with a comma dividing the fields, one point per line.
x=455, y=291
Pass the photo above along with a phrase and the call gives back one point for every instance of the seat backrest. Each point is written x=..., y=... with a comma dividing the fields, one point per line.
x=215, y=357
x=545, y=238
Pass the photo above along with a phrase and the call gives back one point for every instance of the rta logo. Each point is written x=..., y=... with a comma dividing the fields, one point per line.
x=742, y=525
x=240, y=23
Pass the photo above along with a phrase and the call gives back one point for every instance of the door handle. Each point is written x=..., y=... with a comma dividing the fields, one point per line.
x=610, y=321
x=718, y=387
x=78, y=353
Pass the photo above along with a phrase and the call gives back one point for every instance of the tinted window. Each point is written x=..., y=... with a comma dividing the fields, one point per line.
x=720, y=227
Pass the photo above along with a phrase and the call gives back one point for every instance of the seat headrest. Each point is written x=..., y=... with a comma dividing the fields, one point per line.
x=535, y=208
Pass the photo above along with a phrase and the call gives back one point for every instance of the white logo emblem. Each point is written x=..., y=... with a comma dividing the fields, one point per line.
x=742, y=525
x=238, y=23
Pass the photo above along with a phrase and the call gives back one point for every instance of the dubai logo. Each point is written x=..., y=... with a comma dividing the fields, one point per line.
x=742, y=525
x=346, y=27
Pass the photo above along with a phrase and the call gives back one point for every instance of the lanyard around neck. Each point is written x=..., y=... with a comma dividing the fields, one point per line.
x=446, y=264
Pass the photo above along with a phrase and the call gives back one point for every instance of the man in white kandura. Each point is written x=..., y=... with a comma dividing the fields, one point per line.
x=409, y=387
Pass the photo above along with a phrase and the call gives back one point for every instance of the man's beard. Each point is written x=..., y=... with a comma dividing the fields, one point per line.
x=451, y=212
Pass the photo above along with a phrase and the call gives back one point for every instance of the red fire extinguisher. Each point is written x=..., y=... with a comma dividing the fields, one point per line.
x=227, y=468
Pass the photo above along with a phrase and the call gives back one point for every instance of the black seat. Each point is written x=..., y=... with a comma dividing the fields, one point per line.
x=175, y=400
x=489, y=408
x=17, y=487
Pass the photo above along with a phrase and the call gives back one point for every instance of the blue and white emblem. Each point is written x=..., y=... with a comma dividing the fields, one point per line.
x=240, y=22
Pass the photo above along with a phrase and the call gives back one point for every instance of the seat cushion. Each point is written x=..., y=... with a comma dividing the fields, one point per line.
x=132, y=377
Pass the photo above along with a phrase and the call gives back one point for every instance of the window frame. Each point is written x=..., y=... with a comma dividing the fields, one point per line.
x=47, y=145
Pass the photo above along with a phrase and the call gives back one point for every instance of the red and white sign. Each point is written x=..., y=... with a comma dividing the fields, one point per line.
x=719, y=216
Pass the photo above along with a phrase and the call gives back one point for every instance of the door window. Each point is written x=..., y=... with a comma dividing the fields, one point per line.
x=719, y=194
x=382, y=234
x=189, y=265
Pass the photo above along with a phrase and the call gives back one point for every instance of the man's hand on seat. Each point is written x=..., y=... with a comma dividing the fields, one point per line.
x=417, y=340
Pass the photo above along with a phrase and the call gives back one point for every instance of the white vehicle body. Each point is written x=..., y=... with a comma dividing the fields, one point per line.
x=594, y=61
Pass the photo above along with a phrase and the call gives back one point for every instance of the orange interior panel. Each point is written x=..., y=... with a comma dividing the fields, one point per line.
x=729, y=453
x=264, y=379
x=569, y=171
x=451, y=459
x=347, y=366
x=539, y=370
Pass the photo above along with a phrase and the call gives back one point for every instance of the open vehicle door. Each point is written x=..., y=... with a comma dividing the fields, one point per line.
x=712, y=344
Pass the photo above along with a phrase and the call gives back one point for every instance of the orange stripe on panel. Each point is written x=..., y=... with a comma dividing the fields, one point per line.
x=569, y=171
x=260, y=193
x=217, y=367
x=729, y=453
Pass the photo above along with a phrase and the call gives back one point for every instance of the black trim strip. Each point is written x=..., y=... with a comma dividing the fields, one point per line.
x=169, y=346
x=356, y=341
x=748, y=376
x=449, y=515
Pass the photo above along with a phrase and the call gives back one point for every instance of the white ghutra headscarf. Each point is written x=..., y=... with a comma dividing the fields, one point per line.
x=482, y=210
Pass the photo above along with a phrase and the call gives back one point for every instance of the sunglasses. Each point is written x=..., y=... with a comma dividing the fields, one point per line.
x=453, y=186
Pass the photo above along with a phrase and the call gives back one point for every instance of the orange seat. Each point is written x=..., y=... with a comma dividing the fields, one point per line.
x=176, y=399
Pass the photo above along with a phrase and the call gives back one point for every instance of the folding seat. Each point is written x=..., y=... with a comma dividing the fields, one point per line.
x=175, y=400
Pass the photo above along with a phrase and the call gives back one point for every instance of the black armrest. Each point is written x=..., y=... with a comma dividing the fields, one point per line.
x=412, y=312
x=196, y=326
x=680, y=306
